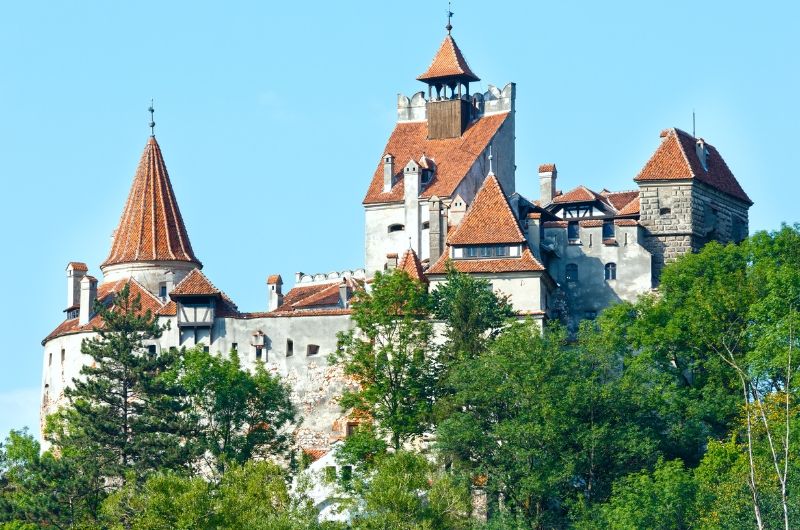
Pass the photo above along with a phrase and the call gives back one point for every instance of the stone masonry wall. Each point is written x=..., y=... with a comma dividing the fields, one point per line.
x=717, y=216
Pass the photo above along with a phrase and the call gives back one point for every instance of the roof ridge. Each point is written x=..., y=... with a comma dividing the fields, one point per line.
x=489, y=191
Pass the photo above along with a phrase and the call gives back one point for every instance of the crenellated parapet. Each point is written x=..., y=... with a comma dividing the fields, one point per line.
x=493, y=101
x=301, y=278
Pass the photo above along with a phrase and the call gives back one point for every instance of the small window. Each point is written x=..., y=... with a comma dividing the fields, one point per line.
x=351, y=428
x=608, y=230
x=330, y=474
x=347, y=473
x=611, y=271
x=485, y=252
x=573, y=232
x=665, y=211
x=259, y=353
x=396, y=228
x=162, y=290
x=312, y=349
x=471, y=252
x=235, y=346
x=205, y=349
x=426, y=225
x=50, y=360
x=571, y=272
x=289, y=347
x=500, y=251
x=151, y=349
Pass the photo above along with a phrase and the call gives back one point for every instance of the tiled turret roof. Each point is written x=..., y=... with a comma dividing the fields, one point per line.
x=448, y=62
x=489, y=220
x=676, y=159
x=151, y=227
x=412, y=266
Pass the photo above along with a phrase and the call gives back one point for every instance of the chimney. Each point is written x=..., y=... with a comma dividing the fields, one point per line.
x=75, y=273
x=388, y=172
x=274, y=288
x=535, y=234
x=391, y=261
x=88, y=297
x=169, y=280
x=435, y=225
x=702, y=153
x=343, y=295
x=547, y=183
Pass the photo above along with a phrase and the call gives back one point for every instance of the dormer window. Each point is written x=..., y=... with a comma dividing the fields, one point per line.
x=397, y=227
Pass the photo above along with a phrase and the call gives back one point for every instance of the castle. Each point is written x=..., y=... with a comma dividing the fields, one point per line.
x=443, y=191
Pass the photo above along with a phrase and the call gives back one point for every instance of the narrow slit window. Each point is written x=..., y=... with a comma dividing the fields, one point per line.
x=396, y=228
x=289, y=347
x=611, y=271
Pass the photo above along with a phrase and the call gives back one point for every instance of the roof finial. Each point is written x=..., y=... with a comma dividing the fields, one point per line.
x=449, y=26
x=694, y=129
x=152, y=125
x=409, y=242
x=491, y=171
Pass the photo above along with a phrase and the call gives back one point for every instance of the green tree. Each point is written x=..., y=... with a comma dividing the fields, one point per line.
x=660, y=500
x=388, y=356
x=406, y=491
x=41, y=490
x=473, y=314
x=124, y=408
x=241, y=415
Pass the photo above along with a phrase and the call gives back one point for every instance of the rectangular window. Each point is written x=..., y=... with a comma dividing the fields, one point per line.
x=151, y=349
x=235, y=346
x=500, y=251
x=312, y=349
x=162, y=290
x=205, y=349
x=289, y=347
x=573, y=232
x=608, y=230
x=259, y=353
x=471, y=252
x=485, y=252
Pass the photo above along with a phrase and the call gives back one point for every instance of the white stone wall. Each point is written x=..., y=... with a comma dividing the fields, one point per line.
x=526, y=290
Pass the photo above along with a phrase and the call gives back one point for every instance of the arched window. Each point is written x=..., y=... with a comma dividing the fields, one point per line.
x=396, y=228
x=611, y=271
x=571, y=272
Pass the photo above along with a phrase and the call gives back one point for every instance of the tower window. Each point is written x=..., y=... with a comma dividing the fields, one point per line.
x=665, y=211
x=289, y=347
x=611, y=271
x=571, y=272
x=608, y=230
x=312, y=349
x=151, y=349
x=573, y=233
x=396, y=228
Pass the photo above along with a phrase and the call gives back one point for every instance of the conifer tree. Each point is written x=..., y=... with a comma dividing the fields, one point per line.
x=124, y=406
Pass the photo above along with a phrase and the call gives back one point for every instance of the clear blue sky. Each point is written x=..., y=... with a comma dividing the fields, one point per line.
x=272, y=117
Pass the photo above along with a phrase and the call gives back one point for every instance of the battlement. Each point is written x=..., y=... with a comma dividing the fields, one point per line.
x=493, y=101
x=301, y=278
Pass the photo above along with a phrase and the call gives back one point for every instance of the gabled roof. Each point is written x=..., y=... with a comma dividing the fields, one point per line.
x=454, y=157
x=489, y=219
x=632, y=208
x=448, y=62
x=197, y=284
x=676, y=159
x=77, y=266
x=619, y=199
x=104, y=293
x=151, y=227
x=579, y=194
x=525, y=263
x=412, y=266
x=315, y=297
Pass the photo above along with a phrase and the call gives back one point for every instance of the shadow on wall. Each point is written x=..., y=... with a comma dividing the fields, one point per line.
x=587, y=289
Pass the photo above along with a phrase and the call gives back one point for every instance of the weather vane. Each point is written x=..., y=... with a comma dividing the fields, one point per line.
x=449, y=26
x=151, y=110
x=491, y=171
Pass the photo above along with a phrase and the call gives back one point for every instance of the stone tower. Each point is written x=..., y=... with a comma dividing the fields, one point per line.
x=688, y=197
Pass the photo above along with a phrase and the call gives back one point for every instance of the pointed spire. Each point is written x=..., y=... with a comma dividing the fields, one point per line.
x=411, y=264
x=151, y=227
x=489, y=219
x=448, y=64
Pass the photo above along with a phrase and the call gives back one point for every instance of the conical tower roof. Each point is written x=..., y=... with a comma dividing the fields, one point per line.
x=449, y=63
x=151, y=227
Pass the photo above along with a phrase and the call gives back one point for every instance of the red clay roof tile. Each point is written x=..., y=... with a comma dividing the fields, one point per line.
x=676, y=159
x=524, y=263
x=412, y=266
x=151, y=227
x=454, y=157
x=448, y=62
x=489, y=219
x=547, y=168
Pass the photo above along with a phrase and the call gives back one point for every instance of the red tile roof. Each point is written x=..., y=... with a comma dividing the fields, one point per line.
x=411, y=265
x=524, y=263
x=676, y=159
x=454, y=157
x=619, y=199
x=104, y=292
x=489, y=219
x=448, y=62
x=315, y=297
x=151, y=227
x=579, y=194
x=632, y=208
x=274, y=278
x=315, y=454
x=592, y=223
x=555, y=224
x=77, y=266
x=626, y=222
x=547, y=168
x=197, y=284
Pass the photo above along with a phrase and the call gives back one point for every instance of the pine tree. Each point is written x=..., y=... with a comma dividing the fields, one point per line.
x=127, y=406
